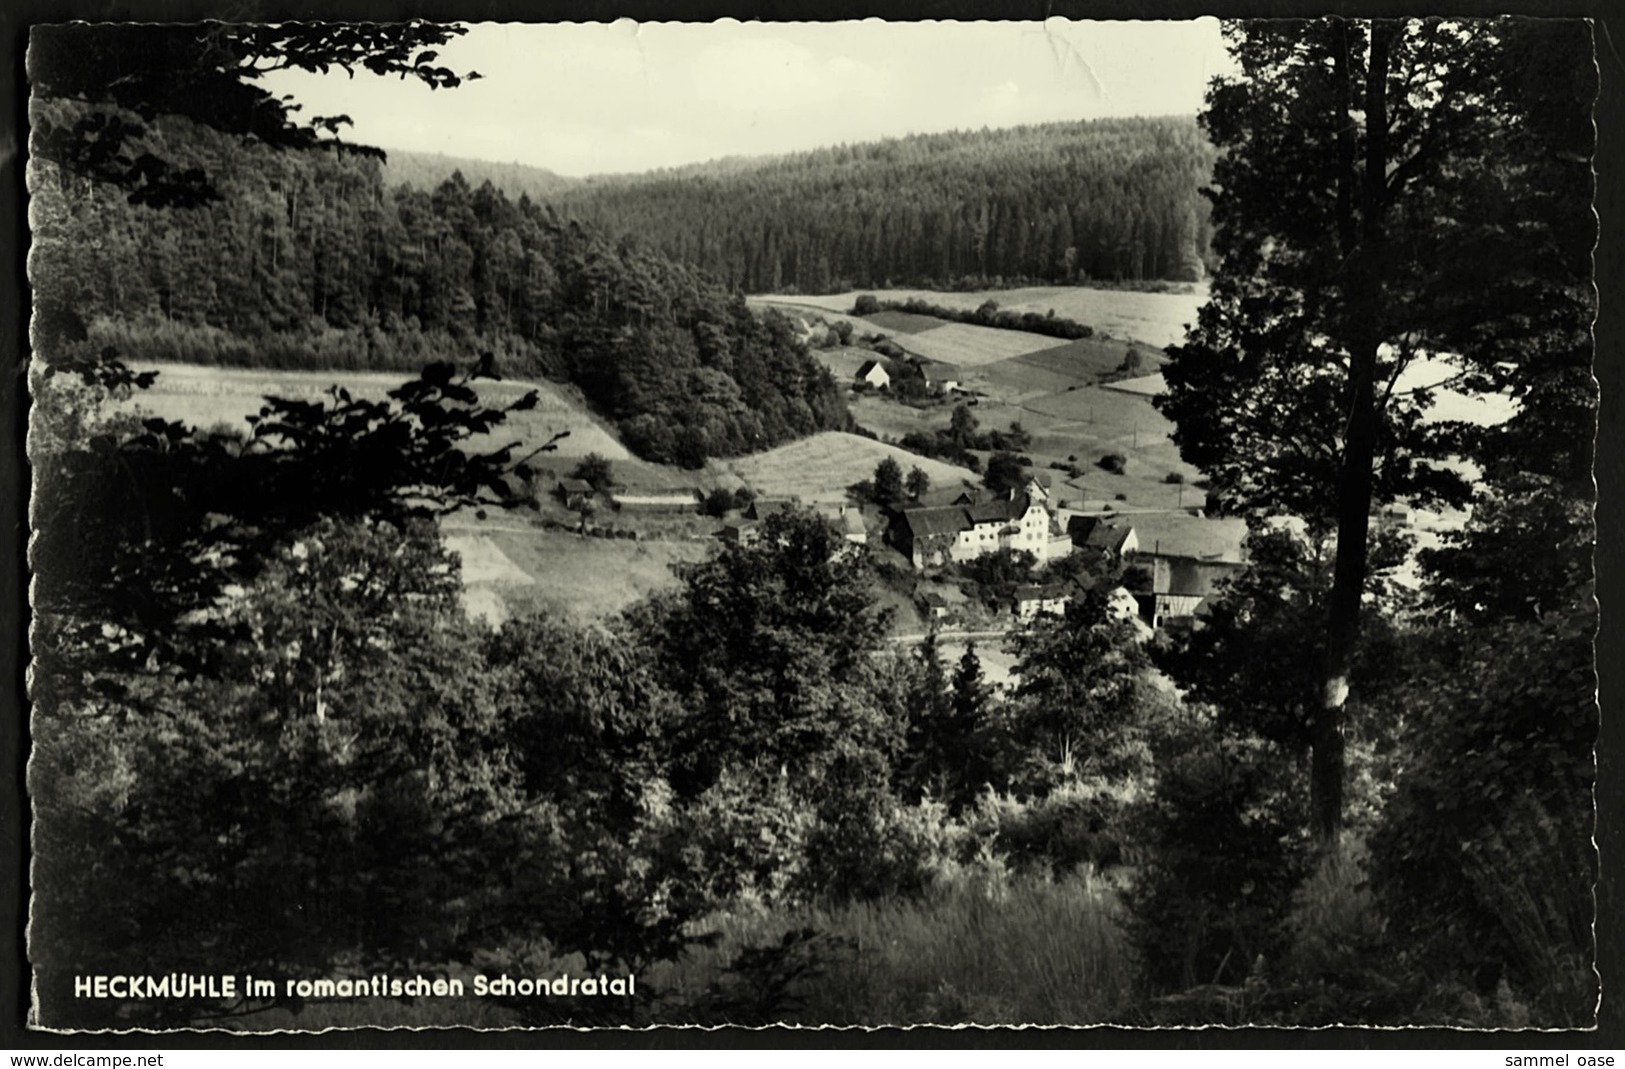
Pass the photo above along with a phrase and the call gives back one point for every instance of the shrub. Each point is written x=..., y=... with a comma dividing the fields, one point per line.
x=1115, y=463
x=1174, y=478
x=1225, y=851
x=1483, y=862
x=873, y=847
x=1076, y=827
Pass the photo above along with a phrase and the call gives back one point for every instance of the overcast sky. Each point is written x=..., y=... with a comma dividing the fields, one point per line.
x=594, y=98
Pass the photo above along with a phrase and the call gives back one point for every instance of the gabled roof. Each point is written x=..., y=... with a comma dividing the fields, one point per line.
x=1093, y=532
x=868, y=366
x=1000, y=509
x=946, y=520
x=765, y=506
x=575, y=486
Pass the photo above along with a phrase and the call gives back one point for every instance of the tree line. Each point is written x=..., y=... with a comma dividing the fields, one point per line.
x=328, y=269
x=1108, y=200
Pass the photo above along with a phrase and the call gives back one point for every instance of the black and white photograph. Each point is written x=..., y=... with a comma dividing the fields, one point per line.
x=641, y=525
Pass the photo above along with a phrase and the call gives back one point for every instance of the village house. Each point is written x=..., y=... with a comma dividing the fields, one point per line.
x=1032, y=601
x=574, y=492
x=847, y=521
x=740, y=530
x=1188, y=558
x=940, y=377
x=1180, y=587
x=1109, y=538
x=874, y=374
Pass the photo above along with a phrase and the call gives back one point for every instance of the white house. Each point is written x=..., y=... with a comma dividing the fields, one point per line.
x=874, y=373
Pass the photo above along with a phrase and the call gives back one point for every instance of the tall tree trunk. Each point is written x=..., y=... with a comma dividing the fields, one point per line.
x=1363, y=265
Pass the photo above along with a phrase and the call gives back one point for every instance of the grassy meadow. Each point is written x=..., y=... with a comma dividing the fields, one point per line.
x=1156, y=319
x=821, y=467
x=210, y=396
x=1022, y=952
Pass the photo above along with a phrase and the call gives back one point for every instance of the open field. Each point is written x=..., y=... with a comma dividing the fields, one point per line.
x=904, y=322
x=1091, y=358
x=207, y=396
x=1017, y=380
x=970, y=346
x=582, y=578
x=1157, y=319
x=820, y=468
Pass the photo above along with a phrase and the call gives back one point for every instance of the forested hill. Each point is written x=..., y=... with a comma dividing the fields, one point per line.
x=308, y=260
x=426, y=170
x=1112, y=199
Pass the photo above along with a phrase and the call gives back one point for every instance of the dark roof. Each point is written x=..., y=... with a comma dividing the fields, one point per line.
x=1094, y=532
x=934, y=599
x=765, y=506
x=575, y=486
x=1034, y=592
x=1000, y=509
x=868, y=366
x=949, y=520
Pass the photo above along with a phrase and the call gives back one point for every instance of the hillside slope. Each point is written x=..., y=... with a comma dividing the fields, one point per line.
x=1111, y=199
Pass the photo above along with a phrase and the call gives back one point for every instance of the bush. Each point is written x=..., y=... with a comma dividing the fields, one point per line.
x=874, y=847
x=1226, y=850
x=717, y=502
x=1174, y=478
x=1075, y=827
x=1483, y=862
x=1115, y=463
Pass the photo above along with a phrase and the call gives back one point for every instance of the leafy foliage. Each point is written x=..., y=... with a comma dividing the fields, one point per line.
x=331, y=271
x=129, y=75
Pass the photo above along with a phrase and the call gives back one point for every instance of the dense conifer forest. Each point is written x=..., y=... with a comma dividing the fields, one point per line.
x=1112, y=200
x=307, y=261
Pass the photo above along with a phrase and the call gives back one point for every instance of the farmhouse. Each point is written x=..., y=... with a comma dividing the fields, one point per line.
x=1034, y=601
x=1188, y=557
x=940, y=377
x=1180, y=586
x=873, y=373
x=740, y=530
x=574, y=492
x=1112, y=539
x=848, y=521
x=935, y=535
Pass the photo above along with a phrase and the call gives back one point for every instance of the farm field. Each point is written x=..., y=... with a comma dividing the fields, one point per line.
x=207, y=396
x=820, y=468
x=904, y=322
x=573, y=576
x=970, y=346
x=1157, y=319
x=1091, y=358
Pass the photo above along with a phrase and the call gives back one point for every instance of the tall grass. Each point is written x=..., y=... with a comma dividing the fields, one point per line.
x=1028, y=953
